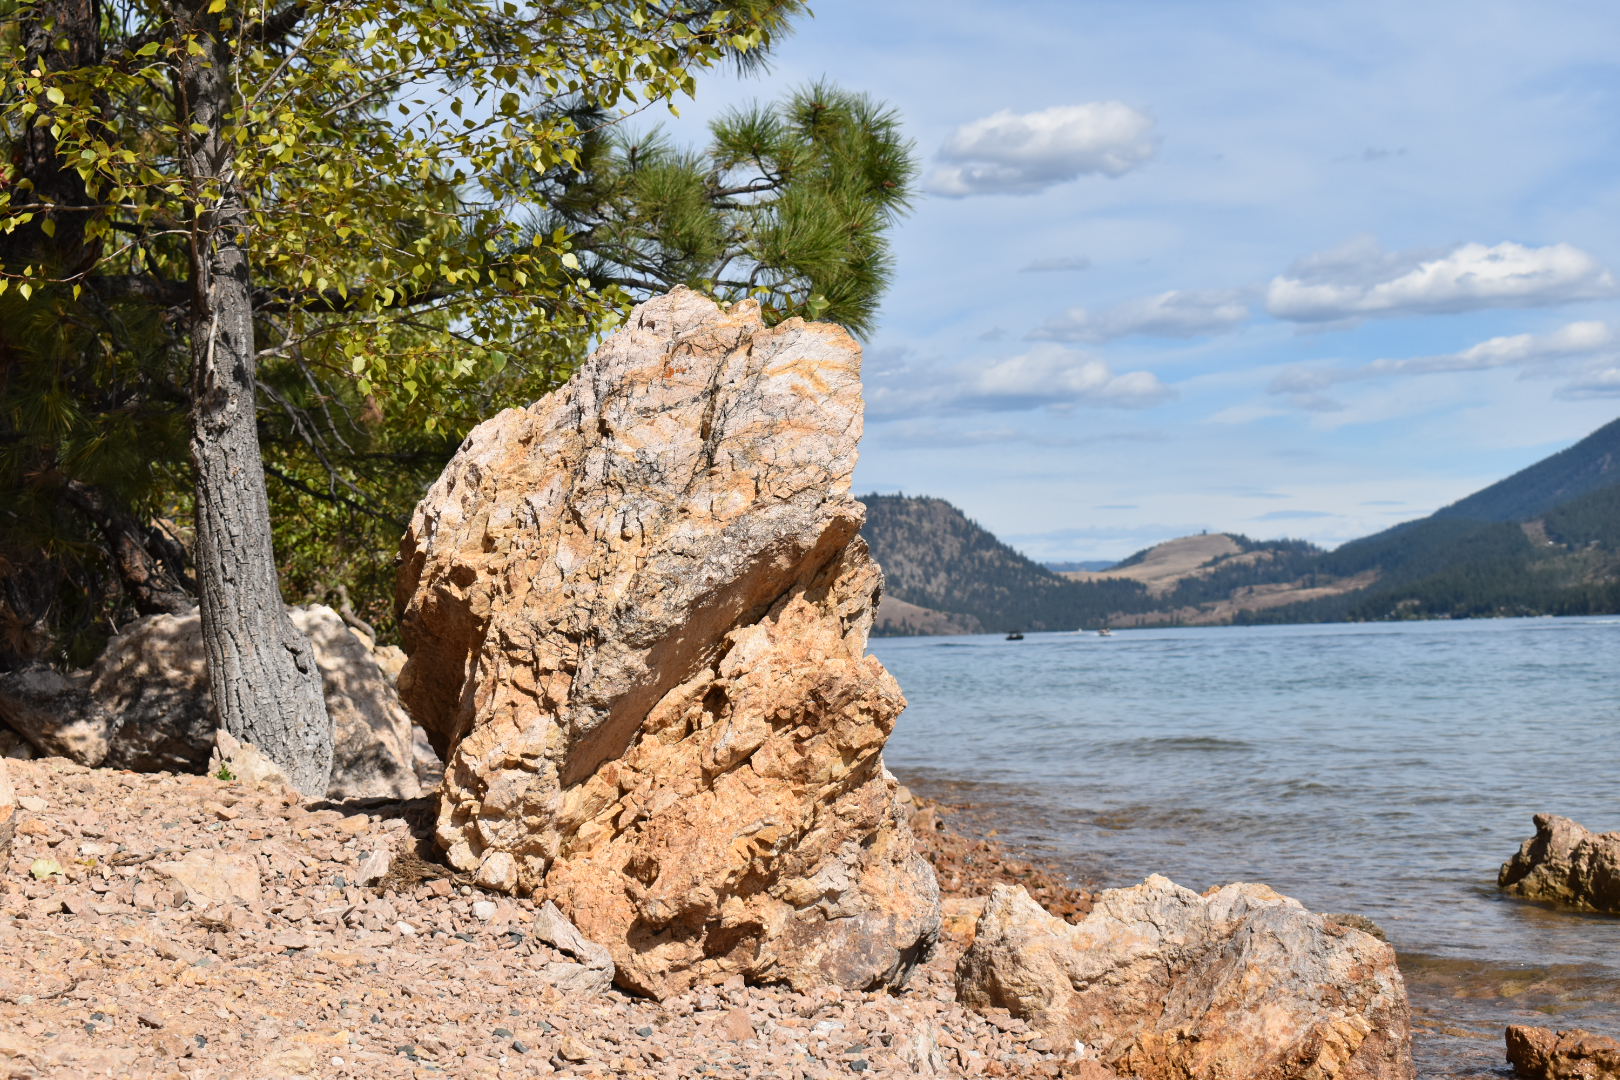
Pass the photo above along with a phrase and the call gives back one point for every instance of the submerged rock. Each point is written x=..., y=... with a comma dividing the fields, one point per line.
x=636, y=614
x=1164, y=984
x=1567, y=864
x=144, y=705
x=1538, y=1053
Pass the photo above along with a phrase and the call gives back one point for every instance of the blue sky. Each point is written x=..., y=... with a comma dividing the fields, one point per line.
x=1276, y=268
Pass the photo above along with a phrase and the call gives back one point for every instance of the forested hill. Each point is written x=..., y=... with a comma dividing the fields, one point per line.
x=938, y=562
x=1546, y=540
x=1589, y=465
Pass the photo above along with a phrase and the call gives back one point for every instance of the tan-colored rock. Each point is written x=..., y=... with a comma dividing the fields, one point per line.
x=589, y=969
x=213, y=876
x=636, y=614
x=234, y=759
x=371, y=731
x=1565, y=863
x=1538, y=1053
x=144, y=705
x=8, y=819
x=1164, y=984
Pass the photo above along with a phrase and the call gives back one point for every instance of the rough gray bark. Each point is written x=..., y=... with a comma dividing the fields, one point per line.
x=266, y=686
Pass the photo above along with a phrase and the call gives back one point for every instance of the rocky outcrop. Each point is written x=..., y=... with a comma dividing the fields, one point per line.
x=636, y=614
x=1164, y=984
x=1538, y=1053
x=1566, y=864
x=145, y=706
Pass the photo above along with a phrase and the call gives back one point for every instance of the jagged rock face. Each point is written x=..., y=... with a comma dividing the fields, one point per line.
x=1565, y=863
x=1164, y=984
x=636, y=614
x=1539, y=1053
x=144, y=705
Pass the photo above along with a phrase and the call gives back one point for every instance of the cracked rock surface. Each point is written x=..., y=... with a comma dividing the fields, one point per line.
x=1161, y=983
x=1566, y=863
x=636, y=613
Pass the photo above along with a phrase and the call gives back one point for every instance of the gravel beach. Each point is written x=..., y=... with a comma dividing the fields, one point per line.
x=174, y=925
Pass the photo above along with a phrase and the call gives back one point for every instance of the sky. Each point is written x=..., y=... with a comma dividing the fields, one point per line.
x=1282, y=269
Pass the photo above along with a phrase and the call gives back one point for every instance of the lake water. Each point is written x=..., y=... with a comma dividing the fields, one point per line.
x=1384, y=769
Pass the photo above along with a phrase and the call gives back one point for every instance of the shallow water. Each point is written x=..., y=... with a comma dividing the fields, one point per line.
x=1385, y=769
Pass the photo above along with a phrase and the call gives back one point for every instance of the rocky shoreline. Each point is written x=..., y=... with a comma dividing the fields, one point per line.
x=664, y=842
x=178, y=925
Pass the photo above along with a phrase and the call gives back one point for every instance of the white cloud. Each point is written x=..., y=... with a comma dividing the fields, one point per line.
x=1584, y=356
x=1051, y=375
x=1547, y=353
x=1056, y=265
x=1177, y=313
x=1047, y=376
x=1601, y=382
x=1010, y=153
x=1361, y=279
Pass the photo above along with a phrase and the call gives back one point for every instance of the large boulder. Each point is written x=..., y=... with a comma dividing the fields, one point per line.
x=636, y=613
x=1164, y=984
x=1567, y=864
x=145, y=705
x=1538, y=1053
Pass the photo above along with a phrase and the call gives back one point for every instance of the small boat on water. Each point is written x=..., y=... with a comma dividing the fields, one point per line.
x=1104, y=632
x=1015, y=636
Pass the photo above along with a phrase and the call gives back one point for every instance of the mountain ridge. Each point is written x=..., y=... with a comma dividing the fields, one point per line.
x=1472, y=558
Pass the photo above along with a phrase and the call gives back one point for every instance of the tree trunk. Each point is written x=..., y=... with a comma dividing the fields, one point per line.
x=266, y=686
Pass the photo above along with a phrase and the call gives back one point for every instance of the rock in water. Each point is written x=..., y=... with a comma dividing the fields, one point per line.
x=1538, y=1053
x=1164, y=984
x=144, y=705
x=1567, y=864
x=636, y=613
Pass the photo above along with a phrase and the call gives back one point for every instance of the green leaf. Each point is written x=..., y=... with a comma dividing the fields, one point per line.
x=55, y=95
